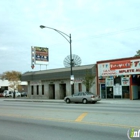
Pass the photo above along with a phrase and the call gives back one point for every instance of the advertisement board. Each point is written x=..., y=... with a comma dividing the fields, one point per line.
x=40, y=55
x=116, y=68
x=109, y=82
x=125, y=81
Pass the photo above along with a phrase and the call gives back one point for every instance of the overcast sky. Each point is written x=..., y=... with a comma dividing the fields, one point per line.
x=100, y=29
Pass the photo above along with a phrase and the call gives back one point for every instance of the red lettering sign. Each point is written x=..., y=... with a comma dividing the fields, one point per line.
x=120, y=65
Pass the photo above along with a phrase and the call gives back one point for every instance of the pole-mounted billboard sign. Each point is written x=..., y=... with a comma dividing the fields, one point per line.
x=39, y=55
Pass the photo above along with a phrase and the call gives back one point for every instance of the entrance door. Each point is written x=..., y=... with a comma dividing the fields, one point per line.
x=102, y=91
x=62, y=91
x=125, y=92
x=51, y=91
x=109, y=92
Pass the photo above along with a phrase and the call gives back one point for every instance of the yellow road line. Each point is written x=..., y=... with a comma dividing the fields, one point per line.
x=71, y=121
x=80, y=118
x=80, y=111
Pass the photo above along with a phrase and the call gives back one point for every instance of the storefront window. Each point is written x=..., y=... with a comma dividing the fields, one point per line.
x=117, y=80
x=32, y=90
x=37, y=88
x=42, y=89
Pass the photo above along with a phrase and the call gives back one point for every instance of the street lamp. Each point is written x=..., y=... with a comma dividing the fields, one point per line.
x=68, y=38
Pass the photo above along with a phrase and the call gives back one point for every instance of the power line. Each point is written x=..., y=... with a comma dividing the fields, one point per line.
x=111, y=33
x=117, y=32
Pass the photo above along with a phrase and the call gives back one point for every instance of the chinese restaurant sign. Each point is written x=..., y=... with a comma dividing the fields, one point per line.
x=115, y=68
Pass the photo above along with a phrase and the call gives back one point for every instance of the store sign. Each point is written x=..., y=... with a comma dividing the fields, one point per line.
x=109, y=73
x=117, y=68
x=120, y=65
x=130, y=71
x=125, y=81
x=109, y=82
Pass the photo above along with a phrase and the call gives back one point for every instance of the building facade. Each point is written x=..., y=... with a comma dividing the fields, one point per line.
x=55, y=83
x=5, y=85
x=119, y=78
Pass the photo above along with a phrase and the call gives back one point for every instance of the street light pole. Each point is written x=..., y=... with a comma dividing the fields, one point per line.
x=71, y=56
x=70, y=42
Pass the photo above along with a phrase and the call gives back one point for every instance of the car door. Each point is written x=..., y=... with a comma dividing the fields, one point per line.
x=80, y=97
x=74, y=97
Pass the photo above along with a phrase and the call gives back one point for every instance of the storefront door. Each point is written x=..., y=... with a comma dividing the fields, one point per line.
x=102, y=91
x=109, y=92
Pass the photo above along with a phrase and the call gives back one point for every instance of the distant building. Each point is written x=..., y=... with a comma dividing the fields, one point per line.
x=55, y=83
x=119, y=78
x=116, y=79
x=5, y=85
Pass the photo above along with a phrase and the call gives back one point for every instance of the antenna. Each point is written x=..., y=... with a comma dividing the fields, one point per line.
x=76, y=61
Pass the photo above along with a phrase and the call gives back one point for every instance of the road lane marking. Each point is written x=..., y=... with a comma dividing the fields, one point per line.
x=77, y=111
x=71, y=121
x=81, y=117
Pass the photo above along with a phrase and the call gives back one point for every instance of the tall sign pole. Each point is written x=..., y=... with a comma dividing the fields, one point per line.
x=32, y=57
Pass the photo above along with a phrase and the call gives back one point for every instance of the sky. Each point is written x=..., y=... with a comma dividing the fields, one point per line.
x=100, y=30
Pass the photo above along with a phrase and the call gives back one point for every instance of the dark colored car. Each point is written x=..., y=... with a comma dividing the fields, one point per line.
x=24, y=94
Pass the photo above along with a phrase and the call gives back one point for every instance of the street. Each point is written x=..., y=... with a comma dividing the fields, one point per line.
x=61, y=121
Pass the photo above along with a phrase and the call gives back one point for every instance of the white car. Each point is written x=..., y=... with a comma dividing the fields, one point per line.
x=8, y=93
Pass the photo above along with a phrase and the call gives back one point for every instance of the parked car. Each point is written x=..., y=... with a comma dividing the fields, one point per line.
x=23, y=94
x=18, y=94
x=8, y=93
x=83, y=97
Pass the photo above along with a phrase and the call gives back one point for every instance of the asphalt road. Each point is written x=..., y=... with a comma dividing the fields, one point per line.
x=60, y=121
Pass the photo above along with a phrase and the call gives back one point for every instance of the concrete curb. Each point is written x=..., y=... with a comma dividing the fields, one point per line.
x=30, y=100
x=103, y=101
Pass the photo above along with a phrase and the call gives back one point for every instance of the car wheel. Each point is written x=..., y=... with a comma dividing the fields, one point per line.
x=67, y=100
x=84, y=101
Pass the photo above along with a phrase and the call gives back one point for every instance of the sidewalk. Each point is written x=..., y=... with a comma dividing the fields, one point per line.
x=121, y=101
x=32, y=100
x=103, y=101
